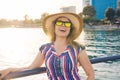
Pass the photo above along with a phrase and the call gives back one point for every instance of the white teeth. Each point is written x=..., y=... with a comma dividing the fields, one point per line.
x=62, y=30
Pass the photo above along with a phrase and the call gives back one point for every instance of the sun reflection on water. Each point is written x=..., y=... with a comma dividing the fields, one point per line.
x=16, y=44
x=19, y=46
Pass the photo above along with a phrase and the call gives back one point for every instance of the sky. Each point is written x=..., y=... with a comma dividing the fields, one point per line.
x=16, y=9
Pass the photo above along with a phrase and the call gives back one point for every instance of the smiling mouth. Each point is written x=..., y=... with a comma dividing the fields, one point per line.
x=62, y=30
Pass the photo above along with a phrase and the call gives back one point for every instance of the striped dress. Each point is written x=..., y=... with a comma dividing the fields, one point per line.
x=63, y=66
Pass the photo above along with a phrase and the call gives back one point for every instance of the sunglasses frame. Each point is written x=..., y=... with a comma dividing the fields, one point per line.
x=63, y=22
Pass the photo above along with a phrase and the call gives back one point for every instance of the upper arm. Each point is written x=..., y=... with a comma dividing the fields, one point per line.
x=85, y=62
x=38, y=61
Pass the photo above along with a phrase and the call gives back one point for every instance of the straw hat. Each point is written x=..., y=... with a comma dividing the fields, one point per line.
x=74, y=18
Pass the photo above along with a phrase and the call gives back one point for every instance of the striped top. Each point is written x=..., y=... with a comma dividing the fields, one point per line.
x=63, y=66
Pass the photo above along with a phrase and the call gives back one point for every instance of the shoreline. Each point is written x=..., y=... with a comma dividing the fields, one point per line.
x=101, y=27
x=86, y=27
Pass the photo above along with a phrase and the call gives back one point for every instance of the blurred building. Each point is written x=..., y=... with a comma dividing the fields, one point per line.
x=86, y=3
x=101, y=6
x=118, y=3
x=68, y=9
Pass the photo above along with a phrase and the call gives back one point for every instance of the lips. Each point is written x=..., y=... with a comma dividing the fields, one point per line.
x=62, y=30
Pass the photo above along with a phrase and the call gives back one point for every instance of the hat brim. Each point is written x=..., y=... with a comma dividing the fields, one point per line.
x=74, y=18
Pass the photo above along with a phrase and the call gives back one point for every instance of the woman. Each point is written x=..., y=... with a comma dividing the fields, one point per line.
x=63, y=53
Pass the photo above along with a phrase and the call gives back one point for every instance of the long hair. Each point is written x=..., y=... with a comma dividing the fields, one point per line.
x=70, y=37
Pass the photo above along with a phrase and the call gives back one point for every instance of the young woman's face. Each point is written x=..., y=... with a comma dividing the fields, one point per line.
x=62, y=27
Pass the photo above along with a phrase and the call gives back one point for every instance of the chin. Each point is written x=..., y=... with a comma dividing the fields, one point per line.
x=62, y=35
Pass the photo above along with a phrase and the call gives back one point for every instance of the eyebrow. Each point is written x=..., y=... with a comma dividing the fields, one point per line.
x=63, y=17
x=63, y=21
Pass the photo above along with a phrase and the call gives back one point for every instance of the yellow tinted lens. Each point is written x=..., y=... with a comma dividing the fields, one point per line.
x=67, y=24
x=59, y=23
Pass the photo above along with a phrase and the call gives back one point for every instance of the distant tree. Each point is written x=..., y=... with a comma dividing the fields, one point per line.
x=2, y=21
x=89, y=12
x=26, y=19
x=42, y=17
x=80, y=14
x=37, y=21
x=118, y=12
x=110, y=14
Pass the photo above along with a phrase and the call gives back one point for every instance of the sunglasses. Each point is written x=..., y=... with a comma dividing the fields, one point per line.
x=66, y=23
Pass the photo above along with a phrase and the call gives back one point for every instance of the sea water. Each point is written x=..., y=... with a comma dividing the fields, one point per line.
x=19, y=46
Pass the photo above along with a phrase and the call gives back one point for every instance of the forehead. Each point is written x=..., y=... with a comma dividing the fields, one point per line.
x=63, y=18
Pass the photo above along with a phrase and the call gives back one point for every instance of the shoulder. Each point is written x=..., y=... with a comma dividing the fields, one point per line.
x=44, y=46
x=79, y=45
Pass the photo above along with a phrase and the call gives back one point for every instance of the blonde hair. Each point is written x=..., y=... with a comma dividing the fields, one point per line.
x=70, y=37
x=49, y=26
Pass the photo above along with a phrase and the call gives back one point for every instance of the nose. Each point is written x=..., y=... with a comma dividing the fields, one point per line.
x=63, y=24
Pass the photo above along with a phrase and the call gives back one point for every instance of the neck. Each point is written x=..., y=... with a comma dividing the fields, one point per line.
x=61, y=41
x=60, y=45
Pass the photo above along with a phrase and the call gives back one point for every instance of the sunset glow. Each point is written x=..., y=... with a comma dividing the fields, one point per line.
x=16, y=9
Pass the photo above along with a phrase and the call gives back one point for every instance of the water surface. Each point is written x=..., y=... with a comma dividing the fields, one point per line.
x=19, y=46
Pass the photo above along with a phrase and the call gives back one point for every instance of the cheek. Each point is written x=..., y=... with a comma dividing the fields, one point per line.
x=68, y=31
x=56, y=30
